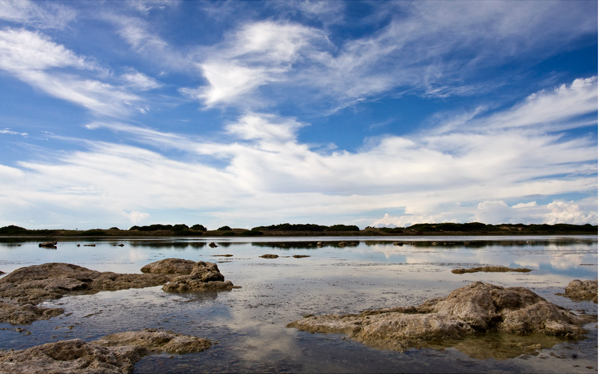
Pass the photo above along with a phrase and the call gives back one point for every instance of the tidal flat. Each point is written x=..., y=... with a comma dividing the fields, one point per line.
x=248, y=323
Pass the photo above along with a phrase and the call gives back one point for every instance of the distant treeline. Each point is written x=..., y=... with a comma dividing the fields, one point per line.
x=288, y=229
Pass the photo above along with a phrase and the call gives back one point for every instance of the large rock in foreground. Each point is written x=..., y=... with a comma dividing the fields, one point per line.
x=33, y=284
x=116, y=353
x=204, y=276
x=578, y=290
x=467, y=311
x=27, y=286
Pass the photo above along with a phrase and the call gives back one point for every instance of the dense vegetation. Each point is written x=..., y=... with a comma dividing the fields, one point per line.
x=288, y=229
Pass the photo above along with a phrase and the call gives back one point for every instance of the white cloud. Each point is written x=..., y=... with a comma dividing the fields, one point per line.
x=39, y=14
x=136, y=217
x=268, y=173
x=38, y=61
x=570, y=212
x=255, y=55
x=145, y=6
x=10, y=132
x=427, y=48
x=139, y=81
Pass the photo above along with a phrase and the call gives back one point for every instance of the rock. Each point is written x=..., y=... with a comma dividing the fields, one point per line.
x=319, y=244
x=47, y=245
x=222, y=255
x=578, y=290
x=204, y=276
x=22, y=314
x=212, y=245
x=490, y=269
x=116, y=353
x=399, y=244
x=269, y=256
x=89, y=245
x=70, y=357
x=169, y=266
x=1, y=272
x=467, y=311
x=34, y=284
x=300, y=256
x=155, y=340
x=121, y=245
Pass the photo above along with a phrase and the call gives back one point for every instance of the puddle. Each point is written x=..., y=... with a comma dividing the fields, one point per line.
x=249, y=323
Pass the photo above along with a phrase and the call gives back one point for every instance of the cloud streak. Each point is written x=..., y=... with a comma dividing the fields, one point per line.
x=466, y=175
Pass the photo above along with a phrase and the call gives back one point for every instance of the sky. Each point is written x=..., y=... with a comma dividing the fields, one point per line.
x=248, y=113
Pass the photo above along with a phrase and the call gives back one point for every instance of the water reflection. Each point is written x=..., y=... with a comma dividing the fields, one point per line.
x=249, y=323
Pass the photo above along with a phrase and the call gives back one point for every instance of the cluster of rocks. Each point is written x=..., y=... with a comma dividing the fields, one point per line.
x=490, y=269
x=191, y=276
x=578, y=290
x=116, y=353
x=24, y=288
x=476, y=308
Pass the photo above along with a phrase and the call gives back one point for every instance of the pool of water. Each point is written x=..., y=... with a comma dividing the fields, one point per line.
x=249, y=323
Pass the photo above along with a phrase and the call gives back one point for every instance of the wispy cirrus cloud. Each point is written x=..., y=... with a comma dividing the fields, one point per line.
x=39, y=14
x=441, y=59
x=35, y=59
x=268, y=173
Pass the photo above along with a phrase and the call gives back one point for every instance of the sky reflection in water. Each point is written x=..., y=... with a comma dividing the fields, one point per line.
x=250, y=322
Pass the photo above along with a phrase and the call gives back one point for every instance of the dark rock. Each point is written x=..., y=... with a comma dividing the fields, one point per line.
x=212, y=245
x=47, y=245
x=490, y=269
x=300, y=256
x=269, y=256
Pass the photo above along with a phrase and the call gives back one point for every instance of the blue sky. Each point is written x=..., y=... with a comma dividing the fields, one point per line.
x=247, y=113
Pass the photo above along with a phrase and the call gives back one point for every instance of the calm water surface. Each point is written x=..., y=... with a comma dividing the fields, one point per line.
x=249, y=323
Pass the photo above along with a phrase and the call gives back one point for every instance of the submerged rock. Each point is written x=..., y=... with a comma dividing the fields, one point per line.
x=155, y=340
x=204, y=276
x=467, y=311
x=47, y=245
x=169, y=266
x=300, y=256
x=116, y=353
x=490, y=269
x=578, y=290
x=269, y=256
x=31, y=285
x=212, y=245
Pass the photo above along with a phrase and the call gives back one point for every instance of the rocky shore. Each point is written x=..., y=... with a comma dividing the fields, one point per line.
x=478, y=308
x=116, y=353
x=24, y=288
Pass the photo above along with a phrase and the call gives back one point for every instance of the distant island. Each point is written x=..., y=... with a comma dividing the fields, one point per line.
x=287, y=229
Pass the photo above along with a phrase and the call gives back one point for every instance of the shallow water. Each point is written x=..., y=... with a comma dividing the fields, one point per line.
x=249, y=323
